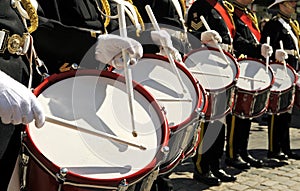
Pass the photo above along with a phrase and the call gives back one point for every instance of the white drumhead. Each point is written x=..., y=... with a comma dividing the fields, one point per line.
x=254, y=76
x=158, y=78
x=211, y=69
x=284, y=79
x=97, y=103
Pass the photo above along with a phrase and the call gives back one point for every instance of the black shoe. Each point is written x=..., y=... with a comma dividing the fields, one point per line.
x=223, y=176
x=237, y=163
x=277, y=155
x=293, y=155
x=207, y=178
x=253, y=161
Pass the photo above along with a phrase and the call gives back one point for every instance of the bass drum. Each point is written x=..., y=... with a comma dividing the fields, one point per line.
x=217, y=77
x=183, y=105
x=283, y=90
x=253, y=88
x=57, y=157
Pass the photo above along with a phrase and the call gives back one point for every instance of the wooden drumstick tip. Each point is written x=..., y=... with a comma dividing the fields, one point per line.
x=134, y=133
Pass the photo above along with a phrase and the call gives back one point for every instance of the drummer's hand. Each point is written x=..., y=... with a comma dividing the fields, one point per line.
x=210, y=37
x=162, y=38
x=109, y=50
x=18, y=105
x=266, y=50
x=281, y=55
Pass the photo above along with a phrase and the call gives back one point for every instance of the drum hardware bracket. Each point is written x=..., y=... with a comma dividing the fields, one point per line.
x=24, y=164
x=165, y=151
x=123, y=186
x=61, y=177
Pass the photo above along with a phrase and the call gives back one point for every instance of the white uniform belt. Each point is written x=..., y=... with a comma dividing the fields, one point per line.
x=292, y=52
x=226, y=47
x=15, y=44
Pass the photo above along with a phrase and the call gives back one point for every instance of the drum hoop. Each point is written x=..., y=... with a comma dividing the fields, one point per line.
x=293, y=83
x=270, y=70
x=198, y=89
x=227, y=54
x=77, y=177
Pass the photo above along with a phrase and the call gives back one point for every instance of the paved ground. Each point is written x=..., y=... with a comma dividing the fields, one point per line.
x=277, y=176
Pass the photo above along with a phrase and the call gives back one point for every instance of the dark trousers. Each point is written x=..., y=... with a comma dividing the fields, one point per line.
x=238, y=131
x=211, y=147
x=278, y=132
x=10, y=140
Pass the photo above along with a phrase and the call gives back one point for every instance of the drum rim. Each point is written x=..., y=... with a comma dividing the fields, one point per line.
x=295, y=78
x=270, y=70
x=227, y=54
x=74, y=177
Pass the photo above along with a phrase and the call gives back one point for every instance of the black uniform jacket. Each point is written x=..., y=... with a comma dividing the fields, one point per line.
x=212, y=17
x=277, y=32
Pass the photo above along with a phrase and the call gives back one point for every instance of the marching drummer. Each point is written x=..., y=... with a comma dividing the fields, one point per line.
x=69, y=18
x=246, y=43
x=282, y=27
x=17, y=103
x=217, y=14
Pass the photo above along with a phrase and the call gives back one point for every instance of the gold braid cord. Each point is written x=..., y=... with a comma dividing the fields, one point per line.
x=33, y=17
x=230, y=9
x=140, y=19
x=295, y=26
x=182, y=2
x=106, y=8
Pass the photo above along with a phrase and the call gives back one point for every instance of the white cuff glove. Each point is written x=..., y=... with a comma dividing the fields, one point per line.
x=162, y=38
x=266, y=50
x=210, y=37
x=18, y=104
x=109, y=50
x=281, y=55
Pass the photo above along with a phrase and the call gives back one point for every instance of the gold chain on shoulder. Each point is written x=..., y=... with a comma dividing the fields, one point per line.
x=33, y=17
x=106, y=8
x=182, y=2
x=228, y=6
x=140, y=19
x=295, y=26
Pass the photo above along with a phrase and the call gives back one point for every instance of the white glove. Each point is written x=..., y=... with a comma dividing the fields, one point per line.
x=266, y=50
x=162, y=38
x=281, y=55
x=109, y=50
x=210, y=37
x=18, y=104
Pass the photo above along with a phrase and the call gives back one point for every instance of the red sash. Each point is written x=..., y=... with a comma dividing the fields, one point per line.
x=244, y=17
x=223, y=12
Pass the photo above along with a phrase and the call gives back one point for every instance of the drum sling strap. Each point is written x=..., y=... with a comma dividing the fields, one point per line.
x=250, y=20
x=225, y=15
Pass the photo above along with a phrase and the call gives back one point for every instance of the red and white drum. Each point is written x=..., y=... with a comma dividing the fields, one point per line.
x=183, y=105
x=253, y=88
x=283, y=90
x=297, y=94
x=71, y=159
x=217, y=77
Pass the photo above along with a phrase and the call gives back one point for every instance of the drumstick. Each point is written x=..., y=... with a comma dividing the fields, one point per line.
x=284, y=63
x=253, y=79
x=268, y=57
x=127, y=70
x=69, y=125
x=219, y=47
x=171, y=60
x=207, y=73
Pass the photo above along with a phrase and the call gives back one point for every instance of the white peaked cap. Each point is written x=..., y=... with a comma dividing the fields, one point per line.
x=278, y=1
